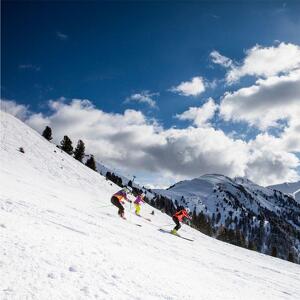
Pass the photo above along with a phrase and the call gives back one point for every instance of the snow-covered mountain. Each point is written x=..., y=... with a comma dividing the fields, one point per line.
x=292, y=188
x=252, y=216
x=60, y=239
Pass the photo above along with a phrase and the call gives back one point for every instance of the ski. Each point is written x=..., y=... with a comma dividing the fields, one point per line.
x=149, y=220
x=177, y=235
x=183, y=237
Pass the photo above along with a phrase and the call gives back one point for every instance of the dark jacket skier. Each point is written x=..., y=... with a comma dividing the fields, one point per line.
x=118, y=199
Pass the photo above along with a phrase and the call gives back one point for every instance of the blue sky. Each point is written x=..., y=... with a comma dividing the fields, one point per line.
x=108, y=51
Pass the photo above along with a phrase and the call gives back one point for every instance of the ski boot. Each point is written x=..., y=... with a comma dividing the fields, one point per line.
x=122, y=216
x=174, y=231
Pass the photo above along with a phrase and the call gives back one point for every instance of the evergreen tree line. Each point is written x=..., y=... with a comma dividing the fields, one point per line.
x=114, y=178
x=242, y=232
x=66, y=145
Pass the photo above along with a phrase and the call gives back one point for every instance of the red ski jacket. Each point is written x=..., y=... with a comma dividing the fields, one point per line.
x=181, y=214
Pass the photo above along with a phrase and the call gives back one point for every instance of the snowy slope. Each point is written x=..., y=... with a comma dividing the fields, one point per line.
x=292, y=188
x=59, y=240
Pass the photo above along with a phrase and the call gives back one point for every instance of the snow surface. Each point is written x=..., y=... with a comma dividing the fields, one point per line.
x=60, y=240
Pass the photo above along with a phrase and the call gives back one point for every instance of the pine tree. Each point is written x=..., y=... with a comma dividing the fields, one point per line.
x=66, y=145
x=251, y=246
x=47, y=133
x=79, y=151
x=218, y=218
x=274, y=251
x=91, y=163
x=291, y=257
x=108, y=175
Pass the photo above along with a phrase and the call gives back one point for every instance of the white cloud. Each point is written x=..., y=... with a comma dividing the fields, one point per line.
x=62, y=36
x=143, y=97
x=266, y=103
x=190, y=88
x=30, y=67
x=267, y=61
x=134, y=144
x=268, y=165
x=219, y=59
x=200, y=115
x=18, y=110
x=270, y=102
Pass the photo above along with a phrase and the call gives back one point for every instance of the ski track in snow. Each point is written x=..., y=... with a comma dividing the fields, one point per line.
x=59, y=242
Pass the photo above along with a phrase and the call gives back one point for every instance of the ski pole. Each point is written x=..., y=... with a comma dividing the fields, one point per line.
x=130, y=211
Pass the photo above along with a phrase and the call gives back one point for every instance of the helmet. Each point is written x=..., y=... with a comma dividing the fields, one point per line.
x=187, y=210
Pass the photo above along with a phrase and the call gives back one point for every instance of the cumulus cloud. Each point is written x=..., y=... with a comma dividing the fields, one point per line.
x=194, y=87
x=265, y=103
x=272, y=102
x=132, y=143
x=143, y=97
x=267, y=61
x=287, y=141
x=108, y=134
x=200, y=116
x=272, y=165
x=18, y=110
x=219, y=59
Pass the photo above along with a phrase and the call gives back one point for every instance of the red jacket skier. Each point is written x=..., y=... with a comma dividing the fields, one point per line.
x=178, y=217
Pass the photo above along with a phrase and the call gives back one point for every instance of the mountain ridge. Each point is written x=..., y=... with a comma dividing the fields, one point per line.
x=267, y=219
x=292, y=188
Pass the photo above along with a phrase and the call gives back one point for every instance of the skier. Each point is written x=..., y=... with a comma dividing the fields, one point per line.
x=178, y=217
x=118, y=199
x=137, y=203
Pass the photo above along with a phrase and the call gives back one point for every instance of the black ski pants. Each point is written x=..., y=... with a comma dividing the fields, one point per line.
x=178, y=226
x=115, y=201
